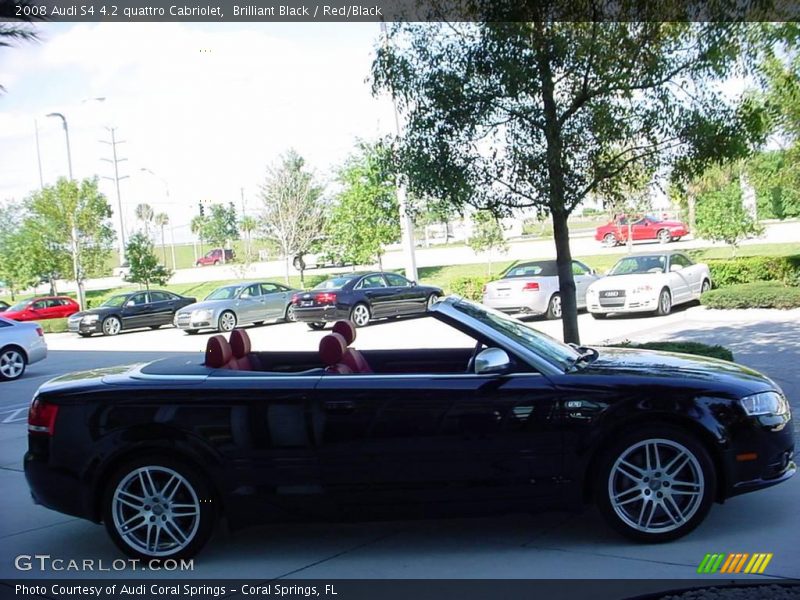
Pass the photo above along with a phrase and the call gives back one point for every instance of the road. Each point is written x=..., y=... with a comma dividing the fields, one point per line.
x=551, y=545
x=449, y=255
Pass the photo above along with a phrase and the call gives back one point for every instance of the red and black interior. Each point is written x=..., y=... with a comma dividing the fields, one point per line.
x=352, y=357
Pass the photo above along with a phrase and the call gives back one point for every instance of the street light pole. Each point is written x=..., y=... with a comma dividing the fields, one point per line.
x=76, y=268
x=406, y=222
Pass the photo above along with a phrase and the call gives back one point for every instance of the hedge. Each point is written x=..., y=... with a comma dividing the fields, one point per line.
x=761, y=294
x=470, y=287
x=696, y=348
x=749, y=269
x=53, y=325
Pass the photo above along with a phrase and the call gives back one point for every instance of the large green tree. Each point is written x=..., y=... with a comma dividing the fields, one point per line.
x=365, y=216
x=144, y=267
x=502, y=115
x=15, y=267
x=220, y=226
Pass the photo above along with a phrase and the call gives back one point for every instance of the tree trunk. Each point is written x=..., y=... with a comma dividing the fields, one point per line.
x=566, y=280
x=380, y=262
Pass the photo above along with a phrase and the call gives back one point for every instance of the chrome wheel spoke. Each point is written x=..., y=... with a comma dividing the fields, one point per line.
x=669, y=506
x=171, y=528
x=634, y=490
x=183, y=510
x=165, y=493
x=676, y=464
x=630, y=471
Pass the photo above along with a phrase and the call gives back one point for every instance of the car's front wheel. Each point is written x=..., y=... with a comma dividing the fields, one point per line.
x=609, y=240
x=226, y=321
x=432, y=299
x=159, y=508
x=12, y=363
x=655, y=485
x=664, y=303
x=664, y=236
x=112, y=326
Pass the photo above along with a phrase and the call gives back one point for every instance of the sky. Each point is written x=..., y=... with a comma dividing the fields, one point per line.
x=207, y=108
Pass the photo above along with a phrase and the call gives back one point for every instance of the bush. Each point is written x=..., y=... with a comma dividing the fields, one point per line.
x=53, y=325
x=762, y=294
x=749, y=269
x=696, y=348
x=470, y=287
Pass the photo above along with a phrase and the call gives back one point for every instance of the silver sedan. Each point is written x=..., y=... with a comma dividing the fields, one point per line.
x=21, y=344
x=238, y=304
x=531, y=288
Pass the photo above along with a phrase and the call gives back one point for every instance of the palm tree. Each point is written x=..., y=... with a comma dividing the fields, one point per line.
x=196, y=226
x=15, y=32
x=144, y=213
x=247, y=225
x=162, y=220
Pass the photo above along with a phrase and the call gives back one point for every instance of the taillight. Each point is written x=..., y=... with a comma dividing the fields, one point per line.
x=531, y=287
x=42, y=417
x=295, y=298
x=40, y=331
x=325, y=298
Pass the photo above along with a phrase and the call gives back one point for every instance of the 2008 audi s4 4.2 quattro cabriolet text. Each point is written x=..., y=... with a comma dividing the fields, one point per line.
x=518, y=421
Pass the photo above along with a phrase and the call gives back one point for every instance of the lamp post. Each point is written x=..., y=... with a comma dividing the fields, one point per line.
x=172, y=229
x=76, y=267
x=406, y=223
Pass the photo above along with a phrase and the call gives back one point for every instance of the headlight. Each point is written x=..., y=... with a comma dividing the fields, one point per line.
x=642, y=289
x=591, y=292
x=201, y=314
x=90, y=318
x=765, y=403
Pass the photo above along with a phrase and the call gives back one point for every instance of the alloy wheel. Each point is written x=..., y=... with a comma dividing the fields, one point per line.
x=555, y=307
x=290, y=317
x=156, y=511
x=664, y=236
x=656, y=486
x=609, y=240
x=227, y=321
x=705, y=287
x=432, y=299
x=664, y=303
x=12, y=364
x=360, y=315
x=111, y=326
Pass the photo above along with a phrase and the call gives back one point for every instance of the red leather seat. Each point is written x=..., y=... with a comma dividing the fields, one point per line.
x=352, y=357
x=240, y=346
x=218, y=353
x=332, y=349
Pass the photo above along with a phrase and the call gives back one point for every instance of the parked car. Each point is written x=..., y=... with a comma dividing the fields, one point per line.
x=316, y=261
x=21, y=344
x=646, y=228
x=4, y=306
x=362, y=297
x=648, y=283
x=133, y=310
x=214, y=257
x=531, y=288
x=42, y=308
x=232, y=305
x=122, y=271
x=518, y=422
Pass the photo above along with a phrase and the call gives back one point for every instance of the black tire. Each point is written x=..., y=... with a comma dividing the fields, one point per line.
x=316, y=326
x=664, y=303
x=705, y=286
x=192, y=490
x=663, y=236
x=13, y=363
x=650, y=493
x=227, y=321
x=191, y=331
x=84, y=335
x=554, y=307
x=360, y=315
x=430, y=301
x=288, y=314
x=111, y=325
x=598, y=316
x=216, y=262
x=155, y=326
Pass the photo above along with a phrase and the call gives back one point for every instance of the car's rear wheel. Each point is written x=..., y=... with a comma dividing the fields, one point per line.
x=664, y=236
x=664, y=303
x=360, y=315
x=159, y=508
x=226, y=321
x=12, y=363
x=609, y=240
x=554, y=307
x=316, y=326
x=289, y=315
x=655, y=485
x=112, y=326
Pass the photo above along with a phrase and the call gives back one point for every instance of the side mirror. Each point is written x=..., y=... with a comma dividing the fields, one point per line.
x=492, y=360
x=129, y=303
x=675, y=268
x=413, y=283
x=592, y=271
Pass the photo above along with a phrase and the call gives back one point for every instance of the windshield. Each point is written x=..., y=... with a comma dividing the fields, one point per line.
x=334, y=283
x=640, y=264
x=539, y=343
x=532, y=269
x=225, y=293
x=19, y=306
x=115, y=301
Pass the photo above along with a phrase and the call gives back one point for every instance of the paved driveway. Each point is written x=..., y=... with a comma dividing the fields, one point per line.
x=552, y=545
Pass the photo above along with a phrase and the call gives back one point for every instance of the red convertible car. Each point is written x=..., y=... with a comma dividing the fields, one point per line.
x=643, y=229
x=38, y=309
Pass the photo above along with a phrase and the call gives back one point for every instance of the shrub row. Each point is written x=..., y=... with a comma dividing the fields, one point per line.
x=749, y=269
x=470, y=287
x=53, y=325
x=696, y=348
x=761, y=294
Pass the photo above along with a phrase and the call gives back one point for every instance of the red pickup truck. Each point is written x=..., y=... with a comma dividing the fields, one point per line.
x=215, y=257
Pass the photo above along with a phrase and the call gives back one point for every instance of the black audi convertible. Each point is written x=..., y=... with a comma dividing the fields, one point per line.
x=159, y=452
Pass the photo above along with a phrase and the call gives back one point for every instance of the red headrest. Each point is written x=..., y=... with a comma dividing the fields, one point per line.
x=218, y=352
x=331, y=349
x=347, y=330
x=240, y=343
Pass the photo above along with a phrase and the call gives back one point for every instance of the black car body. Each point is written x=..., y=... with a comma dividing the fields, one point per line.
x=361, y=298
x=516, y=423
x=4, y=306
x=134, y=310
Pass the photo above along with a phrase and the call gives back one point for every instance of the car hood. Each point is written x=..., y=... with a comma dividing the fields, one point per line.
x=100, y=310
x=13, y=315
x=672, y=365
x=616, y=282
x=207, y=305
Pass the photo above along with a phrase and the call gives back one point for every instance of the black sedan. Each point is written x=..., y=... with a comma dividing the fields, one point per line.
x=4, y=306
x=134, y=310
x=361, y=298
x=158, y=452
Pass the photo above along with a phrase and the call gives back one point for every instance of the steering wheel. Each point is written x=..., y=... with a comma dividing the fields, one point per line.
x=471, y=362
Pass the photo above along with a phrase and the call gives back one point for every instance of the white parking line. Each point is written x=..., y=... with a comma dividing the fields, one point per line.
x=14, y=414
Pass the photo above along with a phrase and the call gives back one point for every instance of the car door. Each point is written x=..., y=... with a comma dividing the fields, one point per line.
x=162, y=308
x=136, y=311
x=679, y=282
x=63, y=308
x=249, y=306
x=583, y=279
x=274, y=298
x=380, y=297
x=41, y=309
x=438, y=437
x=408, y=299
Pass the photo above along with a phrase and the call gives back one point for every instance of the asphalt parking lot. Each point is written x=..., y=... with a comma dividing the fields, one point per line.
x=551, y=545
